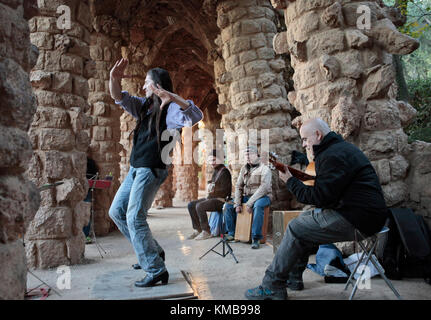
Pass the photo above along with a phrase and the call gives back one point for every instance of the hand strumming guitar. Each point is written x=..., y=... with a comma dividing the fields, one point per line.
x=286, y=175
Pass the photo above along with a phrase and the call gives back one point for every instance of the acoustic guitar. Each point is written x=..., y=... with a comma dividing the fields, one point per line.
x=308, y=177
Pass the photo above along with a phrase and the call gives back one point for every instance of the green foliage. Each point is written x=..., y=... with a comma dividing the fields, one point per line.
x=418, y=13
x=420, y=98
x=417, y=65
x=418, y=25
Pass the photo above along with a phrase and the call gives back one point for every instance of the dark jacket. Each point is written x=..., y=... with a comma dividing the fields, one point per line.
x=346, y=182
x=223, y=185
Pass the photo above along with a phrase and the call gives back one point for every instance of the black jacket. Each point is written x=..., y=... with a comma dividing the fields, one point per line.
x=223, y=185
x=346, y=182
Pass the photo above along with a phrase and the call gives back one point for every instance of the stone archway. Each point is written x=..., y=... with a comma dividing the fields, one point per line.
x=70, y=79
x=341, y=74
x=173, y=36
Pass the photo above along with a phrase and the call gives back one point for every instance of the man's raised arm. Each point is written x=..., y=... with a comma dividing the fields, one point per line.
x=115, y=76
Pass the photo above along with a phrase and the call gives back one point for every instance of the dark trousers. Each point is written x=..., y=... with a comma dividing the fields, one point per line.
x=198, y=212
x=304, y=233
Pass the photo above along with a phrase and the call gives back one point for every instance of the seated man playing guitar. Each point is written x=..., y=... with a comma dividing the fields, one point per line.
x=347, y=194
x=253, y=188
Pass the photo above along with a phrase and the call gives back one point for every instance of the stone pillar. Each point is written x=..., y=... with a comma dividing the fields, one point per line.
x=250, y=83
x=186, y=173
x=58, y=135
x=164, y=196
x=249, y=78
x=105, y=132
x=212, y=124
x=346, y=77
x=127, y=125
x=19, y=197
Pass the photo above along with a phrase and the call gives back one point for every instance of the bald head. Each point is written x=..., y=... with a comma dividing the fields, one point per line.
x=312, y=133
x=316, y=124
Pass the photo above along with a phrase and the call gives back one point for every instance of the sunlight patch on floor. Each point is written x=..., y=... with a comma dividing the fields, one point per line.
x=180, y=235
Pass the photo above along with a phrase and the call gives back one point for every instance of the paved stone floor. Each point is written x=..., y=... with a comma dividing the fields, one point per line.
x=214, y=277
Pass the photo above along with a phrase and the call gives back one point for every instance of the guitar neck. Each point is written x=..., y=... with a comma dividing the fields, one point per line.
x=295, y=172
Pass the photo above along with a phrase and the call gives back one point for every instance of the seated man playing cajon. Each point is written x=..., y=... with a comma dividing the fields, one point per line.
x=253, y=188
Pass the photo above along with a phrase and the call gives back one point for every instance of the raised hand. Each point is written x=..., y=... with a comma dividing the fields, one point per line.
x=117, y=71
x=163, y=94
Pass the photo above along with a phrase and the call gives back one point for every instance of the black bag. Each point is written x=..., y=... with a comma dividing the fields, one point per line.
x=406, y=248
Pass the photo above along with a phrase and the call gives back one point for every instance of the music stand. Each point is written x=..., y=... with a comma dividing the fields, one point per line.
x=222, y=240
x=96, y=184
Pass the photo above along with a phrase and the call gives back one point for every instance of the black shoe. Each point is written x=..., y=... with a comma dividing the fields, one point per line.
x=255, y=244
x=150, y=282
x=295, y=285
x=262, y=293
x=136, y=266
x=229, y=238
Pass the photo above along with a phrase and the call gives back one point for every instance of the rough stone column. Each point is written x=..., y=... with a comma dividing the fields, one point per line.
x=105, y=132
x=127, y=124
x=345, y=76
x=19, y=198
x=212, y=124
x=58, y=135
x=249, y=78
x=165, y=195
x=250, y=83
x=186, y=174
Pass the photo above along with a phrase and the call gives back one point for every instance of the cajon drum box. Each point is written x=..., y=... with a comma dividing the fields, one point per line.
x=280, y=220
x=244, y=222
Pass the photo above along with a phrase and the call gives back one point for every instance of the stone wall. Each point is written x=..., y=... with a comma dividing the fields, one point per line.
x=186, y=171
x=19, y=198
x=249, y=78
x=345, y=76
x=127, y=125
x=105, y=147
x=58, y=133
x=209, y=142
x=166, y=193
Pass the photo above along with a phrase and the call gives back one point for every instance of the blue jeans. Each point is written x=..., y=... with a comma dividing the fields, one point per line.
x=229, y=218
x=129, y=211
x=258, y=215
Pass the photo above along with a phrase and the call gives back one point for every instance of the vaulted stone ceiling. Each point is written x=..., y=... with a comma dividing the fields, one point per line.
x=175, y=35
